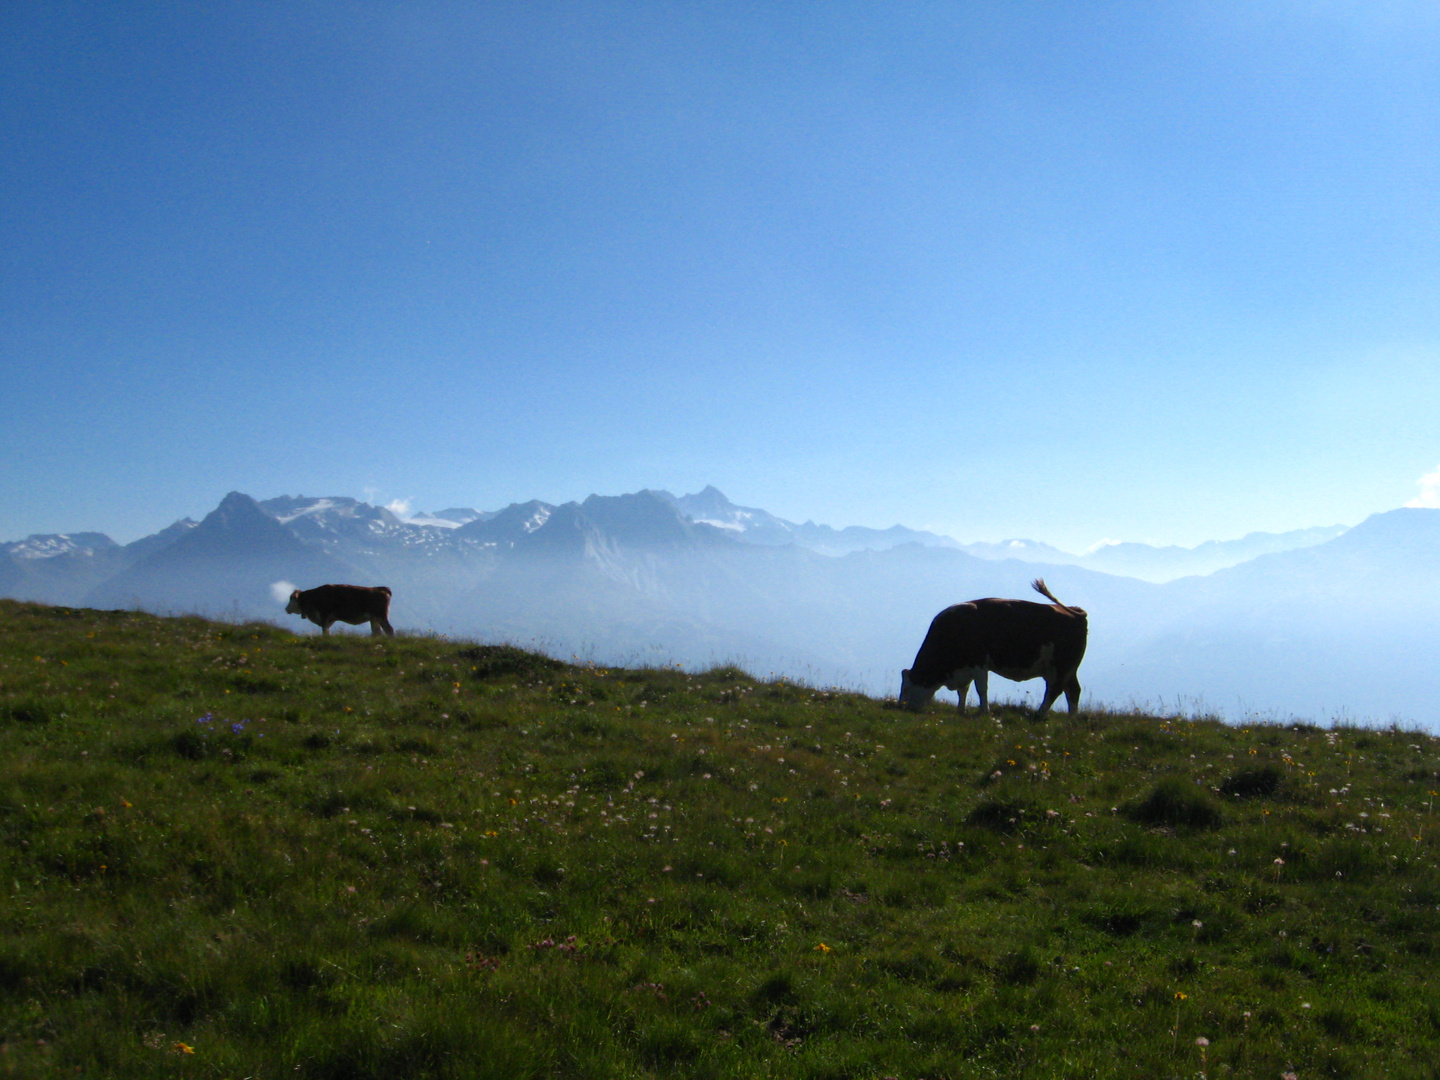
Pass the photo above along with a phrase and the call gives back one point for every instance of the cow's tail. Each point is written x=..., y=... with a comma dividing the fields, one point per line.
x=1044, y=590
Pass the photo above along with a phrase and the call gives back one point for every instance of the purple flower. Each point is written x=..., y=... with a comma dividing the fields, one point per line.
x=238, y=727
x=204, y=719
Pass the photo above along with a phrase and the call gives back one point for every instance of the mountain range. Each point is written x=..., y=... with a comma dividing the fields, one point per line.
x=1319, y=623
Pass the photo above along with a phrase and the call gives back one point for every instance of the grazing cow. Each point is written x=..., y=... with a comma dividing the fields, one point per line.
x=1016, y=639
x=353, y=604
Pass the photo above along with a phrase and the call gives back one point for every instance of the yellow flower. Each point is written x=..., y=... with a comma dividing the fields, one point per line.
x=1180, y=995
x=822, y=947
x=183, y=1048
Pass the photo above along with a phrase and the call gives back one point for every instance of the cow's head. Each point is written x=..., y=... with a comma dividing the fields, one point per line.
x=293, y=607
x=913, y=696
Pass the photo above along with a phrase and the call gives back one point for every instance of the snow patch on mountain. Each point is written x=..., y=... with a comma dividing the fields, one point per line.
x=50, y=545
x=300, y=507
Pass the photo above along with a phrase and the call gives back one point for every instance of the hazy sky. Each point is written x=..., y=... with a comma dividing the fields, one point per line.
x=1070, y=271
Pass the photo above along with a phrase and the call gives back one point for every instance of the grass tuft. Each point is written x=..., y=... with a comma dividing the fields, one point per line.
x=1178, y=805
x=1263, y=783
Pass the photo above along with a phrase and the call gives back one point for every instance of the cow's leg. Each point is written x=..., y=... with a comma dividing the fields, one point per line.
x=1052, y=691
x=982, y=686
x=385, y=625
x=1072, y=693
x=963, y=689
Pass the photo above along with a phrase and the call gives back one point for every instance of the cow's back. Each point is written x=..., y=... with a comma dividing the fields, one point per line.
x=1014, y=629
x=1000, y=634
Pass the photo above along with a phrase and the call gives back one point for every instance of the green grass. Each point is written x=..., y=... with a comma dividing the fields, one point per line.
x=306, y=857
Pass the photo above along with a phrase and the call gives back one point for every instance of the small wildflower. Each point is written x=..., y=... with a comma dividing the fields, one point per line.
x=822, y=947
x=183, y=1048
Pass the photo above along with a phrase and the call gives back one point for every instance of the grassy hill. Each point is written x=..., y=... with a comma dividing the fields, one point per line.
x=233, y=852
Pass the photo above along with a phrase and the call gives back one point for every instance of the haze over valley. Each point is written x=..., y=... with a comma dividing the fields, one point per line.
x=1320, y=623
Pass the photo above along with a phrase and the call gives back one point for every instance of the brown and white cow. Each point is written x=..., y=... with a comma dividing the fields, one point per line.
x=1016, y=639
x=353, y=604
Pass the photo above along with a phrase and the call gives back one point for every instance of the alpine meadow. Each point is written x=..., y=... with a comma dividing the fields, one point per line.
x=499, y=502
x=232, y=851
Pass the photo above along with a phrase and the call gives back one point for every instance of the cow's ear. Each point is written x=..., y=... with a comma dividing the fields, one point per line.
x=905, y=674
x=294, y=594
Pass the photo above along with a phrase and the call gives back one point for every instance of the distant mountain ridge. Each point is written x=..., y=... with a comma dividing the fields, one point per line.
x=1337, y=627
x=223, y=566
x=1145, y=561
x=63, y=568
x=1158, y=564
x=47, y=546
x=336, y=522
x=755, y=526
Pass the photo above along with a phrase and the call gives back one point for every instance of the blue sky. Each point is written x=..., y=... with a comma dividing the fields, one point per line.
x=1146, y=271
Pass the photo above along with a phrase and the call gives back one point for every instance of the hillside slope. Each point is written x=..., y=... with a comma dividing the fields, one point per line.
x=230, y=850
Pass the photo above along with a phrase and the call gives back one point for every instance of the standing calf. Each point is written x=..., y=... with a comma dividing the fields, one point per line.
x=353, y=604
x=1016, y=639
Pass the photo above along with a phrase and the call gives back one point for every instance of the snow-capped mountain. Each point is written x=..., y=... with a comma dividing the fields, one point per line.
x=342, y=525
x=1337, y=627
x=755, y=526
x=1144, y=561
x=222, y=567
x=503, y=529
x=49, y=545
x=63, y=568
